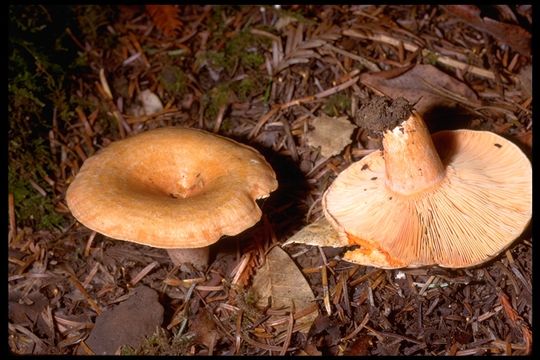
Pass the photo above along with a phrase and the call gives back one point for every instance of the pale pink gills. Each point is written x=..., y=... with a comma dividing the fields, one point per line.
x=456, y=199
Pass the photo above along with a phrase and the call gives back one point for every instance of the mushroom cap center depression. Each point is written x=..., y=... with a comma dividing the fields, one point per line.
x=174, y=174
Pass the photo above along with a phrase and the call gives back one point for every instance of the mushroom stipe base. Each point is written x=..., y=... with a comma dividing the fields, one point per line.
x=196, y=256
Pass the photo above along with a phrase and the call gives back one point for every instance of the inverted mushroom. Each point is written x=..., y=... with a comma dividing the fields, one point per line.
x=456, y=199
x=173, y=188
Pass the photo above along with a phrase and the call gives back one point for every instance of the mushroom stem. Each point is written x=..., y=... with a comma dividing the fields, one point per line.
x=412, y=162
x=197, y=256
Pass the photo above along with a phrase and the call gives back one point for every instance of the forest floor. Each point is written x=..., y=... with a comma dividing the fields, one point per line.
x=266, y=76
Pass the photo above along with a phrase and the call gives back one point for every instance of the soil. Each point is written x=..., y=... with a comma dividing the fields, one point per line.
x=260, y=75
x=383, y=113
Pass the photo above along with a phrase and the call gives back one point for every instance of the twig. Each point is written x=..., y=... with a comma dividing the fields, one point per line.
x=260, y=345
x=91, y=275
x=263, y=120
x=38, y=188
x=357, y=329
x=445, y=60
x=238, y=337
x=143, y=272
x=79, y=286
x=241, y=267
x=89, y=243
x=276, y=108
x=219, y=117
x=105, y=84
x=287, y=341
x=368, y=64
x=326, y=293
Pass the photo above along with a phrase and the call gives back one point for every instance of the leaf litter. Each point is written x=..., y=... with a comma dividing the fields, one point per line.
x=281, y=285
x=72, y=275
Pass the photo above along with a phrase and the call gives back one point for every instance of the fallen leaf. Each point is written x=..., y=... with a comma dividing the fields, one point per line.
x=425, y=86
x=29, y=315
x=318, y=233
x=127, y=323
x=281, y=283
x=204, y=329
x=513, y=35
x=331, y=134
x=165, y=17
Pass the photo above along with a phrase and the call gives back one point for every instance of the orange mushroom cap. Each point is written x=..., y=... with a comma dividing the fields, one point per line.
x=455, y=204
x=171, y=188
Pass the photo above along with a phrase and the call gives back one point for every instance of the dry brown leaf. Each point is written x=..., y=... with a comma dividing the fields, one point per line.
x=204, y=329
x=331, y=134
x=516, y=321
x=281, y=281
x=318, y=233
x=513, y=35
x=165, y=17
x=424, y=85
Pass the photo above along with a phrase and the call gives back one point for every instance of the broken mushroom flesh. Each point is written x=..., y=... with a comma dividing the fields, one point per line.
x=455, y=199
x=172, y=188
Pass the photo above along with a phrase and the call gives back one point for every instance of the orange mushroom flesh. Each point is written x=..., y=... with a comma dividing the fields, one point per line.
x=173, y=188
x=456, y=199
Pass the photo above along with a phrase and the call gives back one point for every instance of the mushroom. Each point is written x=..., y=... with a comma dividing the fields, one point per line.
x=455, y=199
x=174, y=188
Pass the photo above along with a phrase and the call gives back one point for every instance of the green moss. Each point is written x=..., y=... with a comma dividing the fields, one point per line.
x=253, y=60
x=174, y=80
x=217, y=59
x=217, y=97
x=160, y=343
x=245, y=89
x=337, y=104
x=38, y=59
x=243, y=48
x=93, y=20
x=431, y=58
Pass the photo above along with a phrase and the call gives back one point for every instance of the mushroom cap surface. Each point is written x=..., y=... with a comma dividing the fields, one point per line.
x=483, y=203
x=171, y=188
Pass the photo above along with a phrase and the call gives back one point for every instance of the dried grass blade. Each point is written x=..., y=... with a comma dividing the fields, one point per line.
x=40, y=344
x=357, y=329
x=260, y=345
x=238, y=337
x=104, y=84
x=89, y=244
x=144, y=272
x=445, y=60
x=88, y=298
x=287, y=341
x=362, y=60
